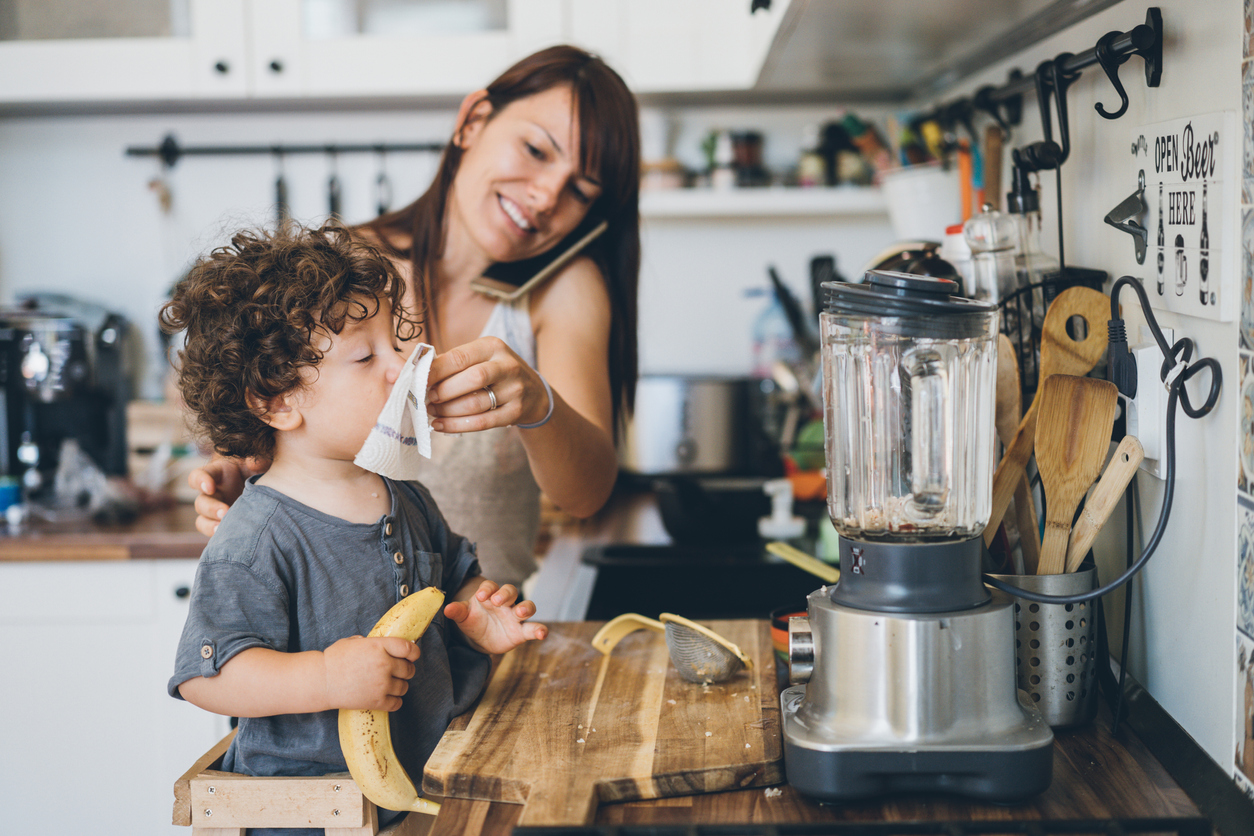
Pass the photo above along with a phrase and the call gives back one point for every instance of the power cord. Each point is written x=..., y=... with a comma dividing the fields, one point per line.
x=1174, y=372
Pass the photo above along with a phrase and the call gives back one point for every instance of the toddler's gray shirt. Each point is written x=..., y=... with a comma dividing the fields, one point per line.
x=281, y=575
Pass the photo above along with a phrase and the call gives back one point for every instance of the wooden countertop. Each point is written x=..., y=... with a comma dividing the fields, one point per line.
x=1096, y=777
x=167, y=533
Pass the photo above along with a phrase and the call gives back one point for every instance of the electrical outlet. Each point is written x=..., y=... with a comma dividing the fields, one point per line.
x=1146, y=414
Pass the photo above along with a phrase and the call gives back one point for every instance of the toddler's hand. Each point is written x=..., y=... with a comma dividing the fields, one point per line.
x=369, y=673
x=488, y=620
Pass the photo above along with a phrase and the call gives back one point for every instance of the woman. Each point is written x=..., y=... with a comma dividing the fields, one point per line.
x=552, y=142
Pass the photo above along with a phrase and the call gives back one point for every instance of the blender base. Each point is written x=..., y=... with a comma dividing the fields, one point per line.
x=913, y=702
x=1003, y=775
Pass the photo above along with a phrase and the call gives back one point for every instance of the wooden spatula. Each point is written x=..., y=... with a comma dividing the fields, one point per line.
x=1072, y=437
x=1009, y=414
x=1060, y=354
x=1118, y=473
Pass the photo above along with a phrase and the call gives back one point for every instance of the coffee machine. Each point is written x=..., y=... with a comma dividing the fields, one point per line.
x=64, y=374
x=904, y=671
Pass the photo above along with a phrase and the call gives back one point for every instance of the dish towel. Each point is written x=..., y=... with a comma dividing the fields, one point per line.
x=403, y=433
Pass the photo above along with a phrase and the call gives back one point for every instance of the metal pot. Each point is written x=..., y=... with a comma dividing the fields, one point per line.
x=696, y=425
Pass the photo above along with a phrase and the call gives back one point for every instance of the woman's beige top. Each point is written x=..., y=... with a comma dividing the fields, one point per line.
x=482, y=481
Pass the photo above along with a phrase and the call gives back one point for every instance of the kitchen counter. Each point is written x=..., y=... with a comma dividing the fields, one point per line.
x=1097, y=775
x=165, y=533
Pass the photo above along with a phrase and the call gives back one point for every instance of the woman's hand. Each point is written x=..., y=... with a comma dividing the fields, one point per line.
x=487, y=619
x=483, y=384
x=220, y=483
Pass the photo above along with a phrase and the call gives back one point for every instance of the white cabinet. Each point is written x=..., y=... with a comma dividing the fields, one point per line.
x=203, y=58
x=663, y=46
x=91, y=741
x=336, y=49
x=234, y=49
x=340, y=48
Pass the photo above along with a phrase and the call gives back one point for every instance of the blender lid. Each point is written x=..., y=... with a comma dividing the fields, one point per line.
x=928, y=302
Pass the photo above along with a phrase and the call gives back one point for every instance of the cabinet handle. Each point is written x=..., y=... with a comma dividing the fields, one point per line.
x=276, y=66
x=222, y=67
x=182, y=591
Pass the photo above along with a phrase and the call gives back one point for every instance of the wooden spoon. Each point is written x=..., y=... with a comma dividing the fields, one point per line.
x=1072, y=437
x=1118, y=473
x=1009, y=414
x=1059, y=355
x=992, y=166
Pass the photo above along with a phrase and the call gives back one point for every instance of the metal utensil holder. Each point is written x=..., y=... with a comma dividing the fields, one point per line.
x=1056, y=647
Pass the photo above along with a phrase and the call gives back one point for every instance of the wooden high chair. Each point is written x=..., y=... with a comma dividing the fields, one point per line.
x=216, y=803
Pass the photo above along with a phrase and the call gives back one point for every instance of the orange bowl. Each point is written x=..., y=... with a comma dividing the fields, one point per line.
x=779, y=627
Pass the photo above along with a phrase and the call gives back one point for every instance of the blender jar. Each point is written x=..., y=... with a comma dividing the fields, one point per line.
x=909, y=376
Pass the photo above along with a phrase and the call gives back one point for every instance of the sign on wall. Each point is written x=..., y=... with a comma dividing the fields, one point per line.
x=1186, y=164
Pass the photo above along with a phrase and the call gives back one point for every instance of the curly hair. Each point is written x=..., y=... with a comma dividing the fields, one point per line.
x=251, y=311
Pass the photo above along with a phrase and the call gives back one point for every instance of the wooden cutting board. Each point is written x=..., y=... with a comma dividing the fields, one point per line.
x=562, y=728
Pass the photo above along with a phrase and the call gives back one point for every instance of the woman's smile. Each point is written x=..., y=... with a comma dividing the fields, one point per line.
x=515, y=213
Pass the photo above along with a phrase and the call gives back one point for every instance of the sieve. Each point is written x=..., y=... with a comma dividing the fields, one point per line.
x=698, y=653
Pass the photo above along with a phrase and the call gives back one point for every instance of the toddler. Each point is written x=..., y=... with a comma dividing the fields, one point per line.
x=293, y=340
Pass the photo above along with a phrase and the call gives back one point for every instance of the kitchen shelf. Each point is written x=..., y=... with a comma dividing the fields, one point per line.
x=836, y=201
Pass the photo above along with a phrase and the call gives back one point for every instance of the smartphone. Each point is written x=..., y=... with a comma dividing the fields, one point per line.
x=510, y=280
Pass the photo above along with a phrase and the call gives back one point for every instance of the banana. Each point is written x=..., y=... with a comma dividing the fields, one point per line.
x=366, y=736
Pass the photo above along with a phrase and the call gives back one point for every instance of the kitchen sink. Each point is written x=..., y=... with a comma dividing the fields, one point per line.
x=739, y=580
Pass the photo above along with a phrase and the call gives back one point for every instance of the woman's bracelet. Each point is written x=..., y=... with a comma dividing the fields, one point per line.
x=548, y=390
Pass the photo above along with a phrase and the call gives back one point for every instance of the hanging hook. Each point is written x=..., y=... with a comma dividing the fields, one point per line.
x=1061, y=80
x=382, y=185
x=1045, y=154
x=983, y=100
x=1043, y=90
x=1110, y=63
x=1051, y=78
x=282, y=208
x=334, y=192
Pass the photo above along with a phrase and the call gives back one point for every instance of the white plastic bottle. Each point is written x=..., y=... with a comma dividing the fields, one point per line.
x=956, y=251
x=772, y=338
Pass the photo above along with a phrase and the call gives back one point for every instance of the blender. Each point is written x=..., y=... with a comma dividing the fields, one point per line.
x=904, y=671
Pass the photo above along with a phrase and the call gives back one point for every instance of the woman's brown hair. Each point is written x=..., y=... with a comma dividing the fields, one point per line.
x=609, y=145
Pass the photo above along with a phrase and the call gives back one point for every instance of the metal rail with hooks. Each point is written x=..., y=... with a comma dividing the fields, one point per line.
x=1004, y=104
x=171, y=152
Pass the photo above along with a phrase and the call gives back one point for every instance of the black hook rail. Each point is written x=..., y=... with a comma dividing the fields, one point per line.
x=1004, y=104
x=171, y=152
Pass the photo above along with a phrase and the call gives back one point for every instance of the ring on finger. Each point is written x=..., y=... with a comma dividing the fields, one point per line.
x=491, y=396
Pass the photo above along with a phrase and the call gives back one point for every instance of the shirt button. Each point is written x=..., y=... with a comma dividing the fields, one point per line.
x=398, y=558
x=387, y=529
x=206, y=651
x=404, y=590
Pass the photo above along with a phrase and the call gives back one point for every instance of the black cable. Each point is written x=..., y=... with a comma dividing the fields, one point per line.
x=1062, y=258
x=1176, y=395
x=1155, y=538
x=1131, y=495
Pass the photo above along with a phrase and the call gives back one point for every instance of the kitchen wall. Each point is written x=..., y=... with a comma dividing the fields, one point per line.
x=1186, y=647
x=77, y=215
